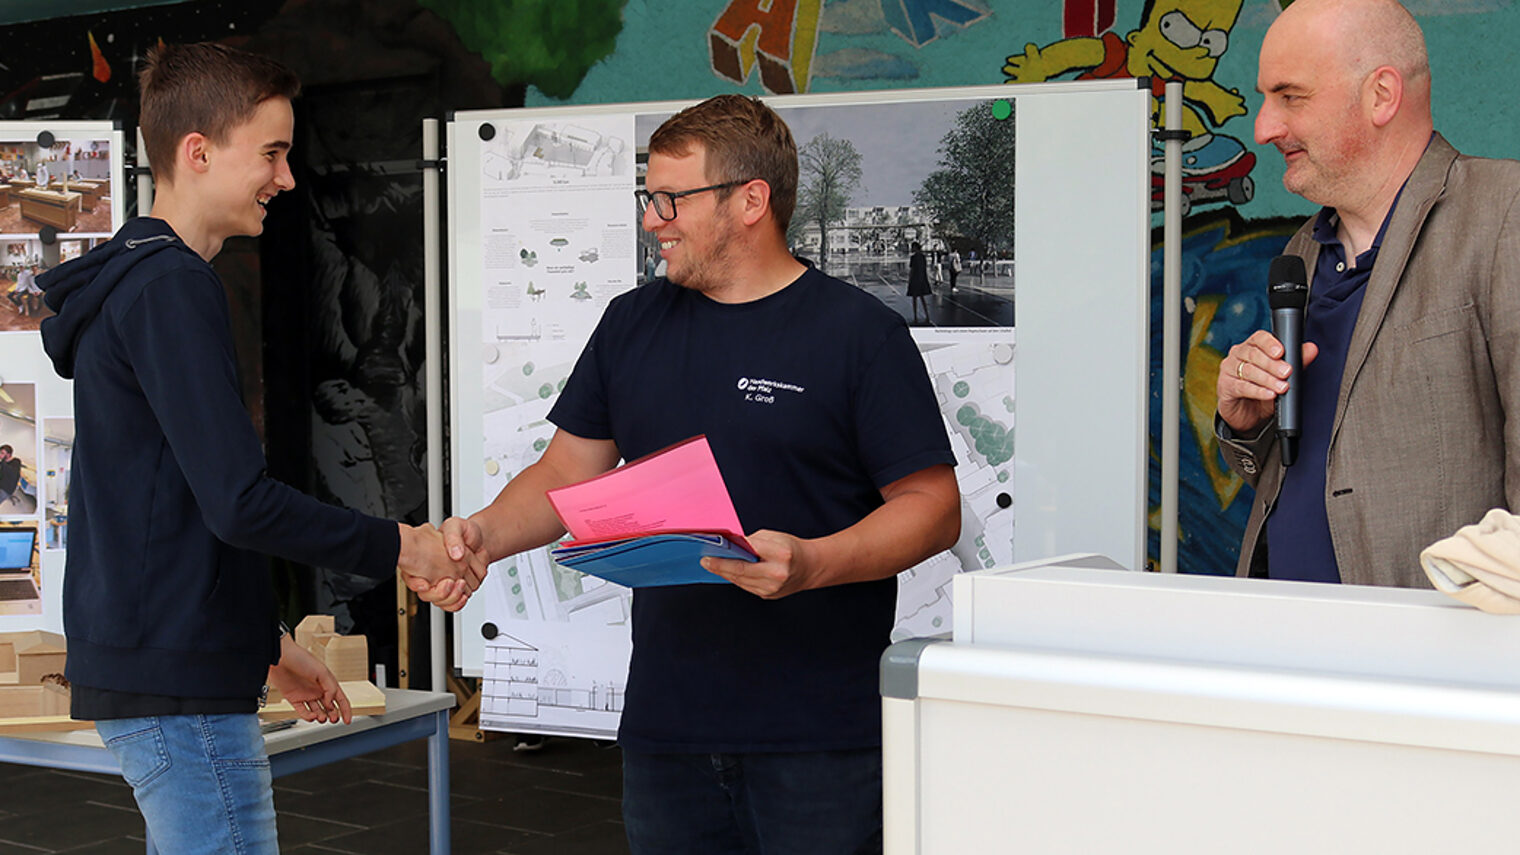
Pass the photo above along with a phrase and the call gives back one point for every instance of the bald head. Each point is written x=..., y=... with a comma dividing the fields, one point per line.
x=1366, y=35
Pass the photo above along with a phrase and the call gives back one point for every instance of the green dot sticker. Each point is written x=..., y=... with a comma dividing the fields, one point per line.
x=1001, y=110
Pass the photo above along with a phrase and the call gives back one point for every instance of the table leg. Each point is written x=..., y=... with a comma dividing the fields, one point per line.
x=438, y=785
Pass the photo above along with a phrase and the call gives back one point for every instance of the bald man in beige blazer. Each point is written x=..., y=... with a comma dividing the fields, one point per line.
x=1422, y=440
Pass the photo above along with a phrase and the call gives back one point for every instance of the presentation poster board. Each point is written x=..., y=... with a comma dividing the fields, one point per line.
x=61, y=194
x=545, y=231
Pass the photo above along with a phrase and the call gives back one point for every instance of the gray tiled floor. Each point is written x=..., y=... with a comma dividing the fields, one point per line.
x=562, y=799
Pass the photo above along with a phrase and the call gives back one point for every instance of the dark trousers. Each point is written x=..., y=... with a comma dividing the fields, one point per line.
x=813, y=803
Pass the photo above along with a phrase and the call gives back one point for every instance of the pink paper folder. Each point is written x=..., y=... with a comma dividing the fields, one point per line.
x=649, y=522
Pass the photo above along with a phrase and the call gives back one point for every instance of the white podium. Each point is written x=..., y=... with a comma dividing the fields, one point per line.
x=1082, y=710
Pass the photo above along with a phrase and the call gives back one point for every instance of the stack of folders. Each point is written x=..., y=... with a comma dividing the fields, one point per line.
x=650, y=522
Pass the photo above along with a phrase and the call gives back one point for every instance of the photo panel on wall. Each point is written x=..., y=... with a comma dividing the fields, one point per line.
x=20, y=572
x=49, y=181
x=57, y=462
x=22, y=260
x=19, y=444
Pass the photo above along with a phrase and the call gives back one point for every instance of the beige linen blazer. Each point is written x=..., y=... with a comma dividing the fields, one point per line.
x=1426, y=436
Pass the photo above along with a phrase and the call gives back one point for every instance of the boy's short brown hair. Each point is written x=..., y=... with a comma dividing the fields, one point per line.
x=744, y=140
x=202, y=88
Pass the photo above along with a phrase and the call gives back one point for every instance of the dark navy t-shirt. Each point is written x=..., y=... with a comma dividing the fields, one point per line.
x=813, y=399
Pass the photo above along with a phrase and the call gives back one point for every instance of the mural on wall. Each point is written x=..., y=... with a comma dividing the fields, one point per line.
x=1184, y=41
x=1177, y=41
x=549, y=43
x=780, y=37
x=1224, y=263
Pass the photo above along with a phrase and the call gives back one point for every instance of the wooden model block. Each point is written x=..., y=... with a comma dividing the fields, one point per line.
x=32, y=708
x=17, y=701
x=363, y=697
x=29, y=637
x=7, y=656
x=311, y=627
x=38, y=654
x=32, y=666
x=347, y=656
x=45, y=654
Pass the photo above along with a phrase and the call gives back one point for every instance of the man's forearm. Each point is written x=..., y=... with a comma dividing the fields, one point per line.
x=919, y=521
x=520, y=517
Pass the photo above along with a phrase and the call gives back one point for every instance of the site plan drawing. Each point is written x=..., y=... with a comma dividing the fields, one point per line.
x=972, y=373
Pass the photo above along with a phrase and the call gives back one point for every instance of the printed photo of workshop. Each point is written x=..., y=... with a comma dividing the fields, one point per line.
x=62, y=183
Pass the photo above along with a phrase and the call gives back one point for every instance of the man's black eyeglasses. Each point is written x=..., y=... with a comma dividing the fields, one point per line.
x=665, y=203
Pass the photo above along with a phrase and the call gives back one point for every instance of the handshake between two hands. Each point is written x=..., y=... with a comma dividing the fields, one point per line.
x=443, y=566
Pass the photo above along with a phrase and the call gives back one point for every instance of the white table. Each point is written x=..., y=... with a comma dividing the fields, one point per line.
x=1080, y=710
x=409, y=715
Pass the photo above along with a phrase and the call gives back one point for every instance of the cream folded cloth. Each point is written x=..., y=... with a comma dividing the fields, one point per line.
x=1480, y=564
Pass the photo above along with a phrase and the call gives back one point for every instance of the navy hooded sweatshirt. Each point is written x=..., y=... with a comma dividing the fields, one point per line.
x=165, y=590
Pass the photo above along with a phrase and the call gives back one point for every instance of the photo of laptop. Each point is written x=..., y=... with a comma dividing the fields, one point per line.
x=18, y=590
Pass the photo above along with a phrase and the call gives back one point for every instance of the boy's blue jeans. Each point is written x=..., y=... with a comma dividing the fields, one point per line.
x=201, y=781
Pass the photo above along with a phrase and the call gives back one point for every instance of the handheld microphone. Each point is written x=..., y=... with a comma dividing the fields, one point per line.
x=1288, y=294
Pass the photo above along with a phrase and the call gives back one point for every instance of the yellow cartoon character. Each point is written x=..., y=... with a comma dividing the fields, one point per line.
x=1177, y=40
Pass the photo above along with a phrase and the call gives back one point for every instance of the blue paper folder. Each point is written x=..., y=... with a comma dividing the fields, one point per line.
x=653, y=559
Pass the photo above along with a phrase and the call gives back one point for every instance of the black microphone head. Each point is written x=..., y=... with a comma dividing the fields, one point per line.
x=1287, y=283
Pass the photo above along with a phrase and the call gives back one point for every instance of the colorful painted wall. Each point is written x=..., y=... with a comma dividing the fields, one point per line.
x=375, y=66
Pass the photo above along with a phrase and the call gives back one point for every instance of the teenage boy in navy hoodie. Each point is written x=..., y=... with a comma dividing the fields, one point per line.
x=168, y=605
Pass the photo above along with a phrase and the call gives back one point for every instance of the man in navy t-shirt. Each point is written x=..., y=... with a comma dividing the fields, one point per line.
x=752, y=721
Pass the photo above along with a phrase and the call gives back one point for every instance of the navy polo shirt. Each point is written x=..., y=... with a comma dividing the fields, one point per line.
x=1298, y=531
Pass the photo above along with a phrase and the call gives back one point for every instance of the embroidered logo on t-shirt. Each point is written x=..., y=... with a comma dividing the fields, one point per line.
x=764, y=391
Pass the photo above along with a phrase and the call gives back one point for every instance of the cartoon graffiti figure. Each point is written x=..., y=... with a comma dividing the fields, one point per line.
x=1178, y=40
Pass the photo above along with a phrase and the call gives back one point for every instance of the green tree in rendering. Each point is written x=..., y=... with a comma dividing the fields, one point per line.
x=550, y=44
x=971, y=193
x=829, y=175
